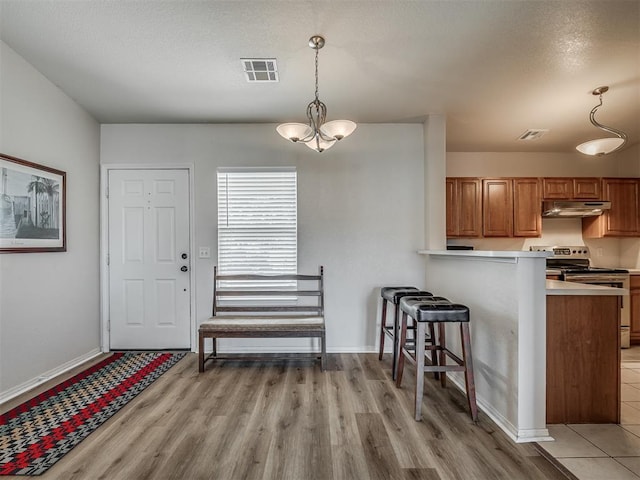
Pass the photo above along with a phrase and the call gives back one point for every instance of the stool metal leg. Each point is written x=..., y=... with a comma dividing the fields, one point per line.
x=396, y=331
x=420, y=351
x=401, y=343
x=442, y=344
x=468, y=372
x=382, y=325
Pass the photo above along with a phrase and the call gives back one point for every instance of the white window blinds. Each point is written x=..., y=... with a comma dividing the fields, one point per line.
x=257, y=222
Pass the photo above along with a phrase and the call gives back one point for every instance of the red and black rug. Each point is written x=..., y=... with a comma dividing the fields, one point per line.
x=39, y=432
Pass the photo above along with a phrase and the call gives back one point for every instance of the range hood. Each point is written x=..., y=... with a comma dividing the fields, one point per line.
x=574, y=208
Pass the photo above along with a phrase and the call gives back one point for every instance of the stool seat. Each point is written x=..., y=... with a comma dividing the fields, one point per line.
x=409, y=304
x=389, y=293
x=445, y=312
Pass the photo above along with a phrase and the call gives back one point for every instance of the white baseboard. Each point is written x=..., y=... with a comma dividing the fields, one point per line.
x=40, y=379
x=515, y=434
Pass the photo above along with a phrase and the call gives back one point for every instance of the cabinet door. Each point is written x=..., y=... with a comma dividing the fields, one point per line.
x=452, y=207
x=497, y=207
x=557, y=188
x=464, y=207
x=527, y=205
x=470, y=212
x=586, y=188
x=622, y=219
x=634, y=297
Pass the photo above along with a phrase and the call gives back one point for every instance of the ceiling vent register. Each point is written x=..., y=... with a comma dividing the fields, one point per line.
x=260, y=70
x=533, y=134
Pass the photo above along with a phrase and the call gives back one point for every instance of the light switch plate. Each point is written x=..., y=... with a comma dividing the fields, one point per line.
x=204, y=252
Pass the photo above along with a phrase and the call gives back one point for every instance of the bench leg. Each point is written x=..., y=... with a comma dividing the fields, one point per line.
x=201, y=352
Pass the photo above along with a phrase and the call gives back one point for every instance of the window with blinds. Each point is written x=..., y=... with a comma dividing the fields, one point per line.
x=257, y=223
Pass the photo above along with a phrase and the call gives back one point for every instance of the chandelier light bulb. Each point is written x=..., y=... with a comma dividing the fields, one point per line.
x=318, y=134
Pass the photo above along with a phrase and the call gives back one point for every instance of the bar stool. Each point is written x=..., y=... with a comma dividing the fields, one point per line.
x=393, y=295
x=427, y=312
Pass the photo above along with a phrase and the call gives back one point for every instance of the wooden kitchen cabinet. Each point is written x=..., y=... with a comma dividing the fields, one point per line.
x=464, y=207
x=634, y=298
x=583, y=359
x=527, y=218
x=586, y=188
x=567, y=188
x=623, y=219
x=497, y=207
x=511, y=207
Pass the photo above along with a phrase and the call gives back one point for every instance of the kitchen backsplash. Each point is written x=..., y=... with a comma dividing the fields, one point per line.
x=605, y=252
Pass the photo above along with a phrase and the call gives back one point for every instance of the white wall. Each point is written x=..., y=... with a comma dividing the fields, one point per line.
x=49, y=303
x=360, y=208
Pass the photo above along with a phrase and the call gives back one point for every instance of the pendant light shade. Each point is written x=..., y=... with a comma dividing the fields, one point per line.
x=317, y=134
x=294, y=131
x=602, y=146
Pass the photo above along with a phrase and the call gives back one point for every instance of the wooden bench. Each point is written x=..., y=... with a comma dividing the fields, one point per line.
x=262, y=311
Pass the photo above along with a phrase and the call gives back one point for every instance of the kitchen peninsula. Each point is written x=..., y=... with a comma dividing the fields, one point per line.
x=508, y=296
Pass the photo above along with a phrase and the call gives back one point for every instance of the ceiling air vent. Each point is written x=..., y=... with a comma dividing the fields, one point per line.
x=260, y=69
x=533, y=134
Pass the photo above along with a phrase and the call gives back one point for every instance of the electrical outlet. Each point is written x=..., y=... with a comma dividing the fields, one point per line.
x=204, y=252
x=599, y=252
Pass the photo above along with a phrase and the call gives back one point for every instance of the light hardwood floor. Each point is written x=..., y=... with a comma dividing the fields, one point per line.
x=289, y=421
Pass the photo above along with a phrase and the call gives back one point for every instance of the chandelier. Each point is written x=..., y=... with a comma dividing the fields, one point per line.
x=317, y=134
x=602, y=146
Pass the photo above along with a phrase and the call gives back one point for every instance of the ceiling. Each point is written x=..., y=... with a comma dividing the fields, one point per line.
x=495, y=68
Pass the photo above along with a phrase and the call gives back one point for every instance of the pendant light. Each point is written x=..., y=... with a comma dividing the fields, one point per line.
x=317, y=134
x=602, y=146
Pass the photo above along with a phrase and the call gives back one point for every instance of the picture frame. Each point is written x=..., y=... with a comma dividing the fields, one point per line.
x=32, y=207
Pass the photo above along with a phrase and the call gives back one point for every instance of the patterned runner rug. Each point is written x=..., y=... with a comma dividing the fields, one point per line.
x=39, y=432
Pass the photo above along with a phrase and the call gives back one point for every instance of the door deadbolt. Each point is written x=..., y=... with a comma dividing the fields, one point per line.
x=184, y=256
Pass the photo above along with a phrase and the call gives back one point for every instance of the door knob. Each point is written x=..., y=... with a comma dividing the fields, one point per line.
x=183, y=268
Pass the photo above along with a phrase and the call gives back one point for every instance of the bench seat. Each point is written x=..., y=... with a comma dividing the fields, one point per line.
x=261, y=322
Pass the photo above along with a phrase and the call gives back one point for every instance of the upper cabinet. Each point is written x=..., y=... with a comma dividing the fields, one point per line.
x=497, y=207
x=464, y=207
x=527, y=218
x=566, y=188
x=623, y=219
x=511, y=207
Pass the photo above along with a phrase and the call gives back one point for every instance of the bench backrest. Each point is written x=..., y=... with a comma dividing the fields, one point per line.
x=267, y=301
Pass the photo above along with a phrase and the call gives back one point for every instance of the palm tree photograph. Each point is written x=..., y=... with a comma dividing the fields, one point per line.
x=31, y=207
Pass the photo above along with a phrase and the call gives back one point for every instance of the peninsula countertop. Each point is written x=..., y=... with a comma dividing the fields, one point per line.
x=558, y=287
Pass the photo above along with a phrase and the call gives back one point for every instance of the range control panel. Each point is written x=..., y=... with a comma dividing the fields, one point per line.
x=579, y=251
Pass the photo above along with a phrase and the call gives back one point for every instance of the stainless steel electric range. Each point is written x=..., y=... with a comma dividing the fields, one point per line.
x=573, y=264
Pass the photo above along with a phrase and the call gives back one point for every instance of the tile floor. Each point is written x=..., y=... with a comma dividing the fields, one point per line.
x=600, y=452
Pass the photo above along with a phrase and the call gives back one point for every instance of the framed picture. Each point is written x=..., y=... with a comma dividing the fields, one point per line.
x=32, y=207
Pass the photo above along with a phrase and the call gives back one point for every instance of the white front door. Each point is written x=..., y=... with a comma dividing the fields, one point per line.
x=149, y=259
